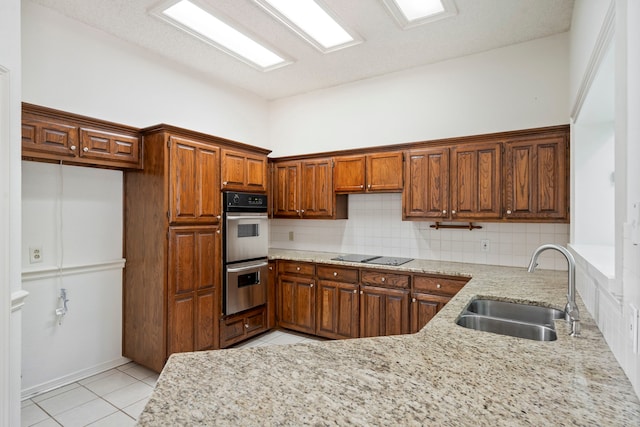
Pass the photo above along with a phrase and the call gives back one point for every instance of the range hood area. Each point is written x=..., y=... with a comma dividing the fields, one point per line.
x=372, y=259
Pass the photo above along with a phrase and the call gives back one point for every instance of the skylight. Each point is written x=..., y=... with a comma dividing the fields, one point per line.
x=410, y=13
x=312, y=22
x=213, y=30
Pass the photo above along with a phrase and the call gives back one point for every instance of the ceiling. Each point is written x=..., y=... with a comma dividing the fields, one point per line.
x=480, y=25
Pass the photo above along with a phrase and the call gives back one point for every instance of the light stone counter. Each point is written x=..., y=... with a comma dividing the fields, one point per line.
x=443, y=375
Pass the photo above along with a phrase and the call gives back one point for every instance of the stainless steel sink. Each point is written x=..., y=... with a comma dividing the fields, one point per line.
x=515, y=311
x=509, y=318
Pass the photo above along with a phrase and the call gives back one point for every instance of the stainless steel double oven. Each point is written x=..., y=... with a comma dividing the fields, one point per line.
x=245, y=250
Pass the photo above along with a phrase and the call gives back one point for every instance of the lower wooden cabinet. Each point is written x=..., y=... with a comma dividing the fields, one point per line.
x=239, y=327
x=423, y=308
x=383, y=311
x=297, y=303
x=337, y=310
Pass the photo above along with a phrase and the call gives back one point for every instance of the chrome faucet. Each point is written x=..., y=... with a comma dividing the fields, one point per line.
x=571, y=313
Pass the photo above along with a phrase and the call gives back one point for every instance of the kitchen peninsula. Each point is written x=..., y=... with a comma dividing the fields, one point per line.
x=443, y=375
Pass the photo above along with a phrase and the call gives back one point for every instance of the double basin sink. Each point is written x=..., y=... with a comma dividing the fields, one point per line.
x=510, y=318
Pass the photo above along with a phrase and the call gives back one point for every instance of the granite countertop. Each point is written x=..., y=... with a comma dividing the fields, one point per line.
x=443, y=375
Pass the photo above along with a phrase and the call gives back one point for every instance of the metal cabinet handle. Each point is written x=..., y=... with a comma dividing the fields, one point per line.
x=413, y=300
x=73, y=147
x=85, y=149
x=246, y=326
x=271, y=268
x=311, y=285
x=361, y=186
x=369, y=186
x=438, y=285
x=298, y=268
x=384, y=279
x=355, y=291
x=302, y=211
x=508, y=211
x=335, y=273
x=218, y=231
x=453, y=212
x=218, y=216
x=224, y=182
x=361, y=292
x=444, y=211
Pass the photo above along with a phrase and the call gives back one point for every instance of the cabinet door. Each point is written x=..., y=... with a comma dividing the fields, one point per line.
x=383, y=312
x=110, y=147
x=423, y=308
x=476, y=181
x=316, y=193
x=41, y=137
x=338, y=310
x=297, y=303
x=426, y=192
x=536, y=178
x=244, y=171
x=349, y=174
x=286, y=181
x=384, y=172
x=194, y=288
x=194, y=190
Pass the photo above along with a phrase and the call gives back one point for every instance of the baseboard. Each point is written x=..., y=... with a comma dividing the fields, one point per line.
x=71, y=378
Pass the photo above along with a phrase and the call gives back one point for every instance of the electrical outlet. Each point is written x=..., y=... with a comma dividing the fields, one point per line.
x=35, y=254
x=484, y=245
x=291, y=236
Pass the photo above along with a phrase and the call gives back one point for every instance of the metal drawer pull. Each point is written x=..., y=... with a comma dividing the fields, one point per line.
x=237, y=217
x=438, y=285
x=251, y=267
x=335, y=273
x=383, y=279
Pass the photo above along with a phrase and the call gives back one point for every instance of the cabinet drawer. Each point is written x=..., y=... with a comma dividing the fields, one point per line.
x=438, y=285
x=338, y=274
x=301, y=268
x=239, y=327
x=383, y=278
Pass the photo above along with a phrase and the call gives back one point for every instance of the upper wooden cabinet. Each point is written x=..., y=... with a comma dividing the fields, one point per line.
x=52, y=135
x=380, y=172
x=536, y=178
x=461, y=182
x=194, y=194
x=244, y=171
x=304, y=189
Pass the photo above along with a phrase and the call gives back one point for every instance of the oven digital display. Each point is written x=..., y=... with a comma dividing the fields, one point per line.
x=248, y=230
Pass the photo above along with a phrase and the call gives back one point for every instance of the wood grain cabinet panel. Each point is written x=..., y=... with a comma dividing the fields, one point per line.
x=53, y=135
x=536, y=178
x=244, y=171
x=337, y=309
x=423, y=309
x=297, y=303
x=426, y=194
x=374, y=172
x=193, y=181
x=383, y=311
x=242, y=326
x=286, y=190
x=476, y=181
x=316, y=193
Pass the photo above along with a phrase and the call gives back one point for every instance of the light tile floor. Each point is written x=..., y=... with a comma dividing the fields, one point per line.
x=116, y=397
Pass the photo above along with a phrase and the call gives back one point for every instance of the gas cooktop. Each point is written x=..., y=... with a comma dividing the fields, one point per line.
x=372, y=259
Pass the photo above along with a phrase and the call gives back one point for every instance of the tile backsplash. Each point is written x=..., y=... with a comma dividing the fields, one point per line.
x=375, y=227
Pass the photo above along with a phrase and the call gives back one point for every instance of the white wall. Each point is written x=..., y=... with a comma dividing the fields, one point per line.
x=71, y=67
x=516, y=87
x=10, y=318
x=610, y=298
x=74, y=214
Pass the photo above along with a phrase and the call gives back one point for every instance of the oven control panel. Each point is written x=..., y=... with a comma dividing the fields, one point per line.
x=234, y=201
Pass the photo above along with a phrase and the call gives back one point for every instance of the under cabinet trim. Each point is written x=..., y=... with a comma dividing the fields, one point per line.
x=69, y=270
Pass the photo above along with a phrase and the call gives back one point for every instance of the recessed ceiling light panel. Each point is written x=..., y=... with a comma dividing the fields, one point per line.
x=313, y=22
x=410, y=13
x=211, y=28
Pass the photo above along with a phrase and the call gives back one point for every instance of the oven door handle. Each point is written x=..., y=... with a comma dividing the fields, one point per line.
x=251, y=267
x=237, y=217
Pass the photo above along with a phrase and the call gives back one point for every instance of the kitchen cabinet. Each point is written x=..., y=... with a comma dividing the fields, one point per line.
x=56, y=136
x=451, y=183
x=243, y=171
x=429, y=295
x=172, y=279
x=384, y=303
x=337, y=302
x=297, y=296
x=194, y=194
x=237, y=328
x=194, y=288
x=304, y=189
x=375, y=172
x=536, y=178
x=426, y=194
x=271, y=294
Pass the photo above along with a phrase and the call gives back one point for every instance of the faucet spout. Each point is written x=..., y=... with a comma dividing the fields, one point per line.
x=572, y=314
